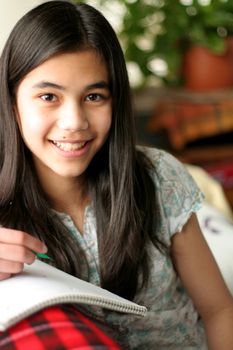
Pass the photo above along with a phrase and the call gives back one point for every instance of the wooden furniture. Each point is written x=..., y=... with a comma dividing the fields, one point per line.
x=188, y=116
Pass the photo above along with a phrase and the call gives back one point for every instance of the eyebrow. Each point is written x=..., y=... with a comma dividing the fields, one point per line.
x=47, y=84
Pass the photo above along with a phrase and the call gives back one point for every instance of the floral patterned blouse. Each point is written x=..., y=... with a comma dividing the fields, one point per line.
x=171, y=321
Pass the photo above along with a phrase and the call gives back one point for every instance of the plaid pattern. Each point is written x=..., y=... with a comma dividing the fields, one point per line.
x=57, y=328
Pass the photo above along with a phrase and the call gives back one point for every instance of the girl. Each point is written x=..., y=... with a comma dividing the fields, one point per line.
x=74, y=185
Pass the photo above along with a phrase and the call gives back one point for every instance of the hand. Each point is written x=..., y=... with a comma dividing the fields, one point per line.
x=16, y=249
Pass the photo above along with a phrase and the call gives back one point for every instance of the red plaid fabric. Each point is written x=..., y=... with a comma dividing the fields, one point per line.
x=58, y=328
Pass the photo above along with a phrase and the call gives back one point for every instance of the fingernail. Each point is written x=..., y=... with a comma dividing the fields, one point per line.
x=45, y=249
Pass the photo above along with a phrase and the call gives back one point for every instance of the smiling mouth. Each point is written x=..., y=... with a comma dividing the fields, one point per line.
x=68, y=146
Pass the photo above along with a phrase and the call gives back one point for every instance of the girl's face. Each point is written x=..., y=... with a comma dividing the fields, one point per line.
x=64, y=112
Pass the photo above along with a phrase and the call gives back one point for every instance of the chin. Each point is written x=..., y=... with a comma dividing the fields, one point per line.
x=70, y=174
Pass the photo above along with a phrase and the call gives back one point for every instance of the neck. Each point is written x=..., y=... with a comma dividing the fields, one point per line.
x=65, y=193
x=70, y=197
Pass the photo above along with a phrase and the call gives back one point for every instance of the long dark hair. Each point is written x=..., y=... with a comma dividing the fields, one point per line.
x=122, y=191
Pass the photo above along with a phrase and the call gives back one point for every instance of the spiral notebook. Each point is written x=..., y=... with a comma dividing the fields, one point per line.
x=41, y=285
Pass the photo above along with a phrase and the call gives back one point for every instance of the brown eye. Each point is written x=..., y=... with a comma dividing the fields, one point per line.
x=48, y=97
x=94, y=97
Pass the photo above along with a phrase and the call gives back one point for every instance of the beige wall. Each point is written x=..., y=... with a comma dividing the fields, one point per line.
x=10, y=12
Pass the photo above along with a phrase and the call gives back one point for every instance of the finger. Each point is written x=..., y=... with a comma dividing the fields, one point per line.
x=21, y=238
x=4, y=276
x=12, y=252
x=10, y=267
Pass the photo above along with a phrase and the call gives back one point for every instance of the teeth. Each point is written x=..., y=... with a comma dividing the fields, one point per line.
x=66, y=146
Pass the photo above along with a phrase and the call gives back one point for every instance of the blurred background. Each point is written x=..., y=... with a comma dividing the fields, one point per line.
x=179, y=57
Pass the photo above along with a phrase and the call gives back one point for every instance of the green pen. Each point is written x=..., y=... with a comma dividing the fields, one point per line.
x=42, y=256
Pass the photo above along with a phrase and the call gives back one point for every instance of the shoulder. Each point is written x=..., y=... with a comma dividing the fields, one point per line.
x=161, y=159
x=177, y=192
x=166, y=168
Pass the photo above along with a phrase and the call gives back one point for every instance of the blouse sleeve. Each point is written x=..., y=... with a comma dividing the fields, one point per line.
x=177, y=192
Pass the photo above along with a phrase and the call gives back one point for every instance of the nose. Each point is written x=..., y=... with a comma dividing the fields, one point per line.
x=72, y=117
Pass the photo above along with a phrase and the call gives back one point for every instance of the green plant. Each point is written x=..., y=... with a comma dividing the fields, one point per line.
x=156, y=33
x=201, y=24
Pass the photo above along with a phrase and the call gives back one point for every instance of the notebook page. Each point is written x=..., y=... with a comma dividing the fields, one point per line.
x=42, y=285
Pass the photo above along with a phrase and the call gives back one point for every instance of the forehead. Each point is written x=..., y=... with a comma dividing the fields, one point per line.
x=83, y=66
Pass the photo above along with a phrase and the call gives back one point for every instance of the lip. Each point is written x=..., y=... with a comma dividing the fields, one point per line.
x=71, y=153
x=69, y=140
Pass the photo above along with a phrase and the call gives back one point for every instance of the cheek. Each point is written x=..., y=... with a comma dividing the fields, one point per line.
x=33, y=124
x=105, y=122
x=30, y=121
x=29, y=118
x=105, y=126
